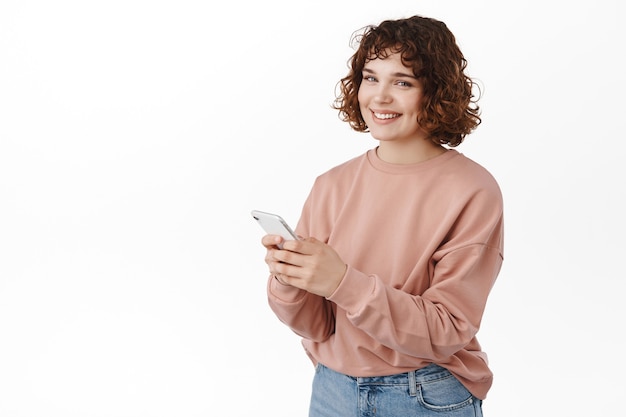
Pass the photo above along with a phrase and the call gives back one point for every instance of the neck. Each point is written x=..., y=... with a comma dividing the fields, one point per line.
x=410, y=152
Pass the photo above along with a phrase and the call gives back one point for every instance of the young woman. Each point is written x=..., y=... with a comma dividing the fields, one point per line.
x=401, y=245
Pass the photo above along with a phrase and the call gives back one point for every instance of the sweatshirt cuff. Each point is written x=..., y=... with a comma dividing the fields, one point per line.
x=354, y=291
x=283, y=293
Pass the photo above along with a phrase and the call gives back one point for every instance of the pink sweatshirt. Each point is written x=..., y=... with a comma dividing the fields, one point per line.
x=423, y=244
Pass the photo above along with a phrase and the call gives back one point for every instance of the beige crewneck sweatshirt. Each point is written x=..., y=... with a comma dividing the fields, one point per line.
x=423, y=244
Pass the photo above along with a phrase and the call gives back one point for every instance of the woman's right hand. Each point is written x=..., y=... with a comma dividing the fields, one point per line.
x=271, y=243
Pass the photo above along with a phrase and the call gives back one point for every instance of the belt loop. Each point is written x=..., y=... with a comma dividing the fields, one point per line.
x=412, y=384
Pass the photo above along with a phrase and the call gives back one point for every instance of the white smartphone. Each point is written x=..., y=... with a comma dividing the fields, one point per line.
x=273, y=224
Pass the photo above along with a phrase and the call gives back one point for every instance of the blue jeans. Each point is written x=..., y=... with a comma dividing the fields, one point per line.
x=430, y=391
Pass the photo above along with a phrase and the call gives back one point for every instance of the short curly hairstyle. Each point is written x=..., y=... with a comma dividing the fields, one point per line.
x=427, y=46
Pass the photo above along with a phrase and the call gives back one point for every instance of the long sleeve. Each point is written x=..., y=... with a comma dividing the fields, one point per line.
x=424, y=246
x=308, y=315
x=432, y=326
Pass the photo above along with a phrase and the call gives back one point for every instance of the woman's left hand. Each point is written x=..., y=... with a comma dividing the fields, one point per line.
x=308, y=264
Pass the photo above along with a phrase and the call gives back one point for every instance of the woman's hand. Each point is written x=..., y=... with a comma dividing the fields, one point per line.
x=308, y=264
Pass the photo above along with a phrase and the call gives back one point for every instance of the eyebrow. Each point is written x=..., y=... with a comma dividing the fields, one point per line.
x=395, y=74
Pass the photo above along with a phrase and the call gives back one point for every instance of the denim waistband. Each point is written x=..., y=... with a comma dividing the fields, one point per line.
x=432, y=372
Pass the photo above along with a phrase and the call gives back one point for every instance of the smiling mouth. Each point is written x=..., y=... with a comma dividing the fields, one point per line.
x=385, y=116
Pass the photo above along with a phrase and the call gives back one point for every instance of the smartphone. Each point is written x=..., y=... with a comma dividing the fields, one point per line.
x=273, y=224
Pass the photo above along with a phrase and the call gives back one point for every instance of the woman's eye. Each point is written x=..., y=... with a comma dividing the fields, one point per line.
x=369, y=78
x=404, y=84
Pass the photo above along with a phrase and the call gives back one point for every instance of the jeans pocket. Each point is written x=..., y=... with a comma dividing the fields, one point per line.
x=445, y=394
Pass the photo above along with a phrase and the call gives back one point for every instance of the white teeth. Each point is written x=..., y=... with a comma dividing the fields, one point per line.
x=386, y=115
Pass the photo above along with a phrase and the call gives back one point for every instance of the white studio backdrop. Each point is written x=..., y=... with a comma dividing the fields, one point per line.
x=136, y=136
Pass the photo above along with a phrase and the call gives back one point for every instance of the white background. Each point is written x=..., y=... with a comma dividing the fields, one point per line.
x=136, y=136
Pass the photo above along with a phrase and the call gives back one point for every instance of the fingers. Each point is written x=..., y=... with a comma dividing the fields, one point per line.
x=280, y=278
x=281, y=271
x=276, y=259
x=271, y=241
x=286, y=259
x=306, y=246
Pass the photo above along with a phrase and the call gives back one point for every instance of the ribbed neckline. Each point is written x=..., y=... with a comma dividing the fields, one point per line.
x=390, y=168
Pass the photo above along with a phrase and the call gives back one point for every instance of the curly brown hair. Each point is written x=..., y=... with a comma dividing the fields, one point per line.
x=427, y=46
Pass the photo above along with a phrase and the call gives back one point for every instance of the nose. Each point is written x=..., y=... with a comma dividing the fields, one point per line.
x=382, y=94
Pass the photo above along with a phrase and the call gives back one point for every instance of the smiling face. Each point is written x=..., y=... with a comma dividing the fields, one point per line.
x=389, y=99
